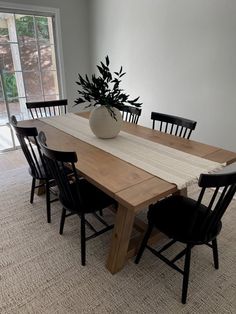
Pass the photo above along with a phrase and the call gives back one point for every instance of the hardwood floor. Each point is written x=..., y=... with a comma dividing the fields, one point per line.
x=12, y=160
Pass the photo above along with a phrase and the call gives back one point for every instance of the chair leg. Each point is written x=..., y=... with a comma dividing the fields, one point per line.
x=143, y=244
x=186, y=273
x=63, y=217
x=32, y=190
x=82, y=239
x=215, y=254
x=48, y=202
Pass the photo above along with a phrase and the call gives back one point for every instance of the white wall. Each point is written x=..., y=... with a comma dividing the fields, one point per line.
x=74, y=32
x=179, y=55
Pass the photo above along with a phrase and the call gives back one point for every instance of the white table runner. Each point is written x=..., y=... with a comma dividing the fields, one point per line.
x=162, y=161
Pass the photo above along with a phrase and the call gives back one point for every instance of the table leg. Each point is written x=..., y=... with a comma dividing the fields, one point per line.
x=182, y=192
x=120, y=239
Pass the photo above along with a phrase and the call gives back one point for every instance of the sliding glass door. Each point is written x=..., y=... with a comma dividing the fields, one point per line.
x=28, y=70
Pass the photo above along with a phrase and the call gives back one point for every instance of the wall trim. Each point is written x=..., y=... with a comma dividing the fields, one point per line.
x=27, y=7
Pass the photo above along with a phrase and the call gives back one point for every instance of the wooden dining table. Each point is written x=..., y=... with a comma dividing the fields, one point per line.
x=133, y=188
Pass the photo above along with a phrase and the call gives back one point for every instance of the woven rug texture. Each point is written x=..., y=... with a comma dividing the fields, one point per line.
x=40, y=270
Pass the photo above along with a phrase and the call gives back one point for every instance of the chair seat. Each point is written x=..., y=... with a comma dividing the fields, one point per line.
x=92, y=198
x=174, y=217
x=191, y=222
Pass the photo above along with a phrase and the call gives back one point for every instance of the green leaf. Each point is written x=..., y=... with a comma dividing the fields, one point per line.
x=104, y=67
x=107, y=61
x=87, y=78
x=79, y=101
x=100, y=69
x=136, y=99
x=122, y=74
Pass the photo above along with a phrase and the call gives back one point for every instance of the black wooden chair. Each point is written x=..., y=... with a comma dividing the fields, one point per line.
x=50, y=108
x=177, y=126
x=76, y=194
x=130, y=114
x=28, y=141
x=191, y=222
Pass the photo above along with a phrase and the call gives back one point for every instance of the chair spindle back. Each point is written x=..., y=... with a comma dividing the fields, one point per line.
x=130, y=114
x=224, y=189
x=175, y=125
x=28, y=141
x=50, y=108
x=58, y=163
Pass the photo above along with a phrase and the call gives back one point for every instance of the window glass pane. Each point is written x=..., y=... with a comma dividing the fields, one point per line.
x=25, y=28
x=5, y=137
x=9, y=57
x=6, y=62
x=4, y=32
x=35, y=98
x=47, y=57
x=1, y=92
x=32, y=84
x=29, y=56
x=42, y=26
x=49, y=79
x=51, y=97
x=3, y=109
x=3, y=113
x=10, y=85
x=15, y=109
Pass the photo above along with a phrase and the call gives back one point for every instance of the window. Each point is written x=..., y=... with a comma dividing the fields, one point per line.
x=28, y=66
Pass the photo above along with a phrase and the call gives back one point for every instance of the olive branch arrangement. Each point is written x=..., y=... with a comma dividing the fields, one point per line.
x=104, y=90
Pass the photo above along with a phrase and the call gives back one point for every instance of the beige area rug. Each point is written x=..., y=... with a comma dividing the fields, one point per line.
x=40, y=270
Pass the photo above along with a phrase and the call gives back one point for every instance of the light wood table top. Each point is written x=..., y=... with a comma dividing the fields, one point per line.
x=133, y=188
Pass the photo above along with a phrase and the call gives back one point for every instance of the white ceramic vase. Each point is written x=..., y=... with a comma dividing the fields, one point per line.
x=102, y=124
